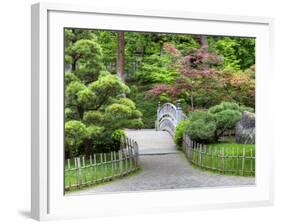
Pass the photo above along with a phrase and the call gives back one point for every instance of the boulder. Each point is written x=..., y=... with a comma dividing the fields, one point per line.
x=245, y=129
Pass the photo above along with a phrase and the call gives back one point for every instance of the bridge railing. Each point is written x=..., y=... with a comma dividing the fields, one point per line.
x=168, y=117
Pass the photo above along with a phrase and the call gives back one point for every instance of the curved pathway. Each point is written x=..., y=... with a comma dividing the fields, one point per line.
x=164, y=167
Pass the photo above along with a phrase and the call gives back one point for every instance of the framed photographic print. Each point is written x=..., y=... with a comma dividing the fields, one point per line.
x=165, y=111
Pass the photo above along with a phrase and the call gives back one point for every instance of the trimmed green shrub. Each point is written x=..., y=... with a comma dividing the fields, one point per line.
x=227, y=119
x=209, y=126
x=180, y=130
x=202, y=127
x=75, y=134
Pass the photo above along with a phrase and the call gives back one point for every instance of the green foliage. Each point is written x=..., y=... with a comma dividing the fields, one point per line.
x=201, y=126
x=73, y=97
x=83, y=54
x=123, y=114
x=227, y=119
x=223, y=106
x=147, y=106
x=238, y=52
x=118, y=134
x=118, y=111
x=208, y=126
x=157, y=69
x=93, y=117
x=106, y=87
x=99, y=107
x=244, y=108
x=70, y=77
x=180, y=130
x=75, y=134
x=69, y=114
x=108, y=43
x=105, y=105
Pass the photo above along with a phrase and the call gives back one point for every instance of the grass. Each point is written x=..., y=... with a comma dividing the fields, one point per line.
x=226, y=157
x=94, y=175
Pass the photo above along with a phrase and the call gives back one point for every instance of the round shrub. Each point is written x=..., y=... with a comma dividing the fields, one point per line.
x=227, y=119
x=224, y=106
x=202, y=127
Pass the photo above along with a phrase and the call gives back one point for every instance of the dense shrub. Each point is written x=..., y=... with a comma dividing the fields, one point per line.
x=180, y=130
x=75, y=134
x=210, y=125
x=95, y=111
x=201, y=126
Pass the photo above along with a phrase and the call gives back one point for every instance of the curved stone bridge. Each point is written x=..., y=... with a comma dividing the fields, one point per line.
x=168, y=117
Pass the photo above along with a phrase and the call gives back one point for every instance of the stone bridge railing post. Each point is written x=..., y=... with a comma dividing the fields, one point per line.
x=178, y=112
x=158, y=116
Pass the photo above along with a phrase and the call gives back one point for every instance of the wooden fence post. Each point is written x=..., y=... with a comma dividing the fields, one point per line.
x=232, y=160
x=216, y=159
x=243, y=160
x=69, y=174
x=84, y=169
x=95, y=167
x=130, y=155
x=200, y=155
x=79, y=171
x=92, y=171
x=126, y=159
x=251, y=165
x=237, y=160
x=205, y=155
x=211, y=157
x=120, y=163
x=76, y=173
x=137, y=154
x=115, y=167
x=226, y=160
x=101, y=167
x=222, y=159
x=105, y=166
x=191, y=151
x=112, y=164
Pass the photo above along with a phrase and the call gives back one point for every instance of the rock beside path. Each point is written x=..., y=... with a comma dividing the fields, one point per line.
x=245, y=129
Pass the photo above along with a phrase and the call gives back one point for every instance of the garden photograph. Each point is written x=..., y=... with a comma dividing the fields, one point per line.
x=157, y=111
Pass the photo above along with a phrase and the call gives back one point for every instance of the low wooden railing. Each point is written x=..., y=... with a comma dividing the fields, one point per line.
x=225, y=160
x=90, y=170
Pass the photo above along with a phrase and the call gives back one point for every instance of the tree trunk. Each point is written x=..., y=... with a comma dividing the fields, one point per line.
x=80, y=111
x=204, y=42
x=120, y=63
x=73, y=66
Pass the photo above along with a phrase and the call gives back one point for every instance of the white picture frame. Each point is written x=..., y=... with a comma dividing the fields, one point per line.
x=47, y=198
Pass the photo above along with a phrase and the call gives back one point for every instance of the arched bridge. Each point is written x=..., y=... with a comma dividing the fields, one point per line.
x=168, y=117
x=159, y=140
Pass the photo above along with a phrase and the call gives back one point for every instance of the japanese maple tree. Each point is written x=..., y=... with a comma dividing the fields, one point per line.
x=197, y=64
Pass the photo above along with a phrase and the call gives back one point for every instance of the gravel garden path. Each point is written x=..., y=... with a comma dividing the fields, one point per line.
x=164, y=167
